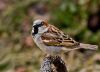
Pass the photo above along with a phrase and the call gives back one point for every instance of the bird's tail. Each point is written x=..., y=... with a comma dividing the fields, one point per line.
x=88, y=46
x=82, y=45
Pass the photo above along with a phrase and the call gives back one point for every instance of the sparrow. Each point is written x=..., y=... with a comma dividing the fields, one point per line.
x=51, y=40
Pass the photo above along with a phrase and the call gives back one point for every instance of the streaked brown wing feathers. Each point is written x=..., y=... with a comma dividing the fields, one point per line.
x=55, y=37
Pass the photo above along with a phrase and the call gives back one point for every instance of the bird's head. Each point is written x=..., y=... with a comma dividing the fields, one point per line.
x=39, y=26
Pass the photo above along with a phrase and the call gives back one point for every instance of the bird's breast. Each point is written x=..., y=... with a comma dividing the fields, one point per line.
x=45, y=48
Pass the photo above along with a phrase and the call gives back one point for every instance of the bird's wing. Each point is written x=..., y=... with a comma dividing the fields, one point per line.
x=55, y=37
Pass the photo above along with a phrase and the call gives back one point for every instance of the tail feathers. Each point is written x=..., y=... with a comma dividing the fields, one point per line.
x=88, y=46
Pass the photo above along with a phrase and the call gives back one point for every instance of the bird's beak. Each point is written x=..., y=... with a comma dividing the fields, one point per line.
x=32, y=30
x=33, y=26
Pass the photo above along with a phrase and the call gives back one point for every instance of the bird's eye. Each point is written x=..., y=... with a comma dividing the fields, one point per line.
x=42, y=23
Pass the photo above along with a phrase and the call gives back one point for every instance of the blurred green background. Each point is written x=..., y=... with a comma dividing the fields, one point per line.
x=78, y=18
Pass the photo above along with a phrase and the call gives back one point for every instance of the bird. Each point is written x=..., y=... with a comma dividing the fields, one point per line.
x=52, y=40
